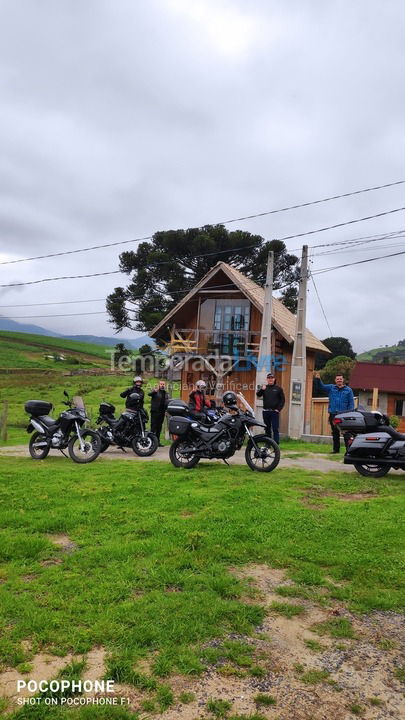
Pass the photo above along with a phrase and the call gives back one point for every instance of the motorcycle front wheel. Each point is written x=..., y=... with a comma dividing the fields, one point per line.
x=91, y=447
x=177, y=457
x=145, y=446
x=38, y=451
x=372, y=469
x=267, y=455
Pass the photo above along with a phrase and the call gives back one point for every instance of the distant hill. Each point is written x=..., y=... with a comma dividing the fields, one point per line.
x=130, y=343
x=24, y=350
x=392, y=354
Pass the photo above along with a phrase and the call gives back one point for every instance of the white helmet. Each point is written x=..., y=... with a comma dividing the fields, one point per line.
x=201, y=385
x=137, y=379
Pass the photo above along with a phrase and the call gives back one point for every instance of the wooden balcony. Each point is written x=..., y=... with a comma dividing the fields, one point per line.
x=192, y=341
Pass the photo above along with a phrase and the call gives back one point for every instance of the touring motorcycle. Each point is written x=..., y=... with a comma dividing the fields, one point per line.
x=193, y=439
x=372, y=445
x=128, y=430
x=66, y=431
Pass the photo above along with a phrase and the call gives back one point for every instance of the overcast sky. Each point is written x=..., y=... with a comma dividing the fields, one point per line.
x=118, y=119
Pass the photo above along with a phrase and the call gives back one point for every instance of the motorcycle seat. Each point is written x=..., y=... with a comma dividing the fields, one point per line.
x=391, y=431
x=48, y=420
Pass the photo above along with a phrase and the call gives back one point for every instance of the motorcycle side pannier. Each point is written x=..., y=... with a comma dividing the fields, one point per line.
x=357, y=422
x=177, y=407
x=37, y=407
x=179, y=425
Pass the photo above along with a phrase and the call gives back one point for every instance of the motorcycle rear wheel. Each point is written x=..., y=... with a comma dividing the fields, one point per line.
x=178, y=459
x=372, y=470
x=39, y=453
x=145, y=446
x=92, y=447
x=268, y=457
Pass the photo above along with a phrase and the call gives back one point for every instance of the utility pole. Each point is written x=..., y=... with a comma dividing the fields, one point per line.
x=299, y=358
x=264, y=359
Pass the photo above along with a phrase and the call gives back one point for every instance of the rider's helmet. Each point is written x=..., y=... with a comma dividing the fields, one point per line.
x=134, y=399
x=138, y=379
x=229, y=399
x=201, y=385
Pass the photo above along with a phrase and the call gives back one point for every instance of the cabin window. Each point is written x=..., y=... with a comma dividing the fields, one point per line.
x=231, y=326
x=400, y=407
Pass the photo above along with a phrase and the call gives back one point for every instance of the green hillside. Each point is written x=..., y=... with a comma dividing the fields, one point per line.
x=21, y=350
x=394, y=353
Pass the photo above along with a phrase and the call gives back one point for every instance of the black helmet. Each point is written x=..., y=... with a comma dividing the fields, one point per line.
x=134, y=399
x=229, y=398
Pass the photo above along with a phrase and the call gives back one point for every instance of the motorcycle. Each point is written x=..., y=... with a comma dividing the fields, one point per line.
x=66, y=432
x=372, y=445
x=194, y=439
x=128, y=431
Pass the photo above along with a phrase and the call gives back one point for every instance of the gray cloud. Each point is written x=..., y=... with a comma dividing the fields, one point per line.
x=119, y=119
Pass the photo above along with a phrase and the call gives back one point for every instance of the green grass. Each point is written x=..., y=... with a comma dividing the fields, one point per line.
x=400, y=674
x=143, y=527
x=219, y=708
x=265, y=700
x=314, y=676
x=335, y=627
x=286, y=609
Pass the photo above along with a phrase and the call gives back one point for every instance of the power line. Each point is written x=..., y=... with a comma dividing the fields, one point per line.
x=342, y=224
x=320, y=303
x=222, y=222
x=33, y=317
x=287, y=237
x=61, y=302
x=358, y=262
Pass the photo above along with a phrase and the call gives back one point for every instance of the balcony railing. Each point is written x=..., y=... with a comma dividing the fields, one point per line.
x=217, y=342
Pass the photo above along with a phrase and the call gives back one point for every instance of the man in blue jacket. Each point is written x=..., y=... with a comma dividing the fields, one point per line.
x=341, y=399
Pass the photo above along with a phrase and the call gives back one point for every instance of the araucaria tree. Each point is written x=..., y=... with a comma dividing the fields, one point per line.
x=166, y=268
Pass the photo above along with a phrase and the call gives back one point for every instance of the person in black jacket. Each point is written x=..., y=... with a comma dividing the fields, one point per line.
x=273, y=403
x=136, y=388
x=158, y=405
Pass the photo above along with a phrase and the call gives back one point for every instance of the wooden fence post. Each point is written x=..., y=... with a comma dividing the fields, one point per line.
x=3, y=422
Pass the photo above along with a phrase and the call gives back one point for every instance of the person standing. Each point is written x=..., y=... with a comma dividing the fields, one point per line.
x=158, y=405
x=273, y=402
x=341, y=399
x=136, y=388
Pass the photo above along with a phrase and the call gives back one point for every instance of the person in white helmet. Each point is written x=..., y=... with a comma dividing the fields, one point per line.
x=199, y=402
x=136, y=388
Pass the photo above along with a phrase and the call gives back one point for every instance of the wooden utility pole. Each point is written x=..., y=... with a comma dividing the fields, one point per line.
x=299, y=358
x=264, y=361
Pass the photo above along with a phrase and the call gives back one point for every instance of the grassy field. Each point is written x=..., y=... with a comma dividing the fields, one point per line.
x=22, y=350
x=149, y=572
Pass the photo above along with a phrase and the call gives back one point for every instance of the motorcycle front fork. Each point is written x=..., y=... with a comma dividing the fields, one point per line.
x=82, y=447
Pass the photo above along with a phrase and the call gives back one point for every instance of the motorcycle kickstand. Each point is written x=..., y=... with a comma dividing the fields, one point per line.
x=63, y=453
x=226, y=462
x=121, y=448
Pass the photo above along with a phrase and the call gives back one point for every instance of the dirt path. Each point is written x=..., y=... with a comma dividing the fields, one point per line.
x=311, y=462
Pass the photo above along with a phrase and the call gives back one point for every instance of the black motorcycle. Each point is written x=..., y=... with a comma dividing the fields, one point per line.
x=194, y=439
x=126, y=431
x=66, y=432
x=372, y=445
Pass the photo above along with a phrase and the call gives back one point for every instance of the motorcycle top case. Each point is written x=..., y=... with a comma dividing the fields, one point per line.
x=179, y=425
x=36, y=408
x=358, y=422
x=177, y=407
x=106, y=408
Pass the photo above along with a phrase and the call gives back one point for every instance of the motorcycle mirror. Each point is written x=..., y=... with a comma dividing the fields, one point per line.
x=65, y=394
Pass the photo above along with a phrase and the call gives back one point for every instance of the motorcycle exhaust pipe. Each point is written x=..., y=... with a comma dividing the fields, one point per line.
x=368, y=461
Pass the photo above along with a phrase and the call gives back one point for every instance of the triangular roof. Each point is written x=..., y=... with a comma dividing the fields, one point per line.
x=282, y=319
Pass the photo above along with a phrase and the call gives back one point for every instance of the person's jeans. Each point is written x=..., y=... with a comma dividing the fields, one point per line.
x=335, y=433
x=271, y=419
x=156, y=421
